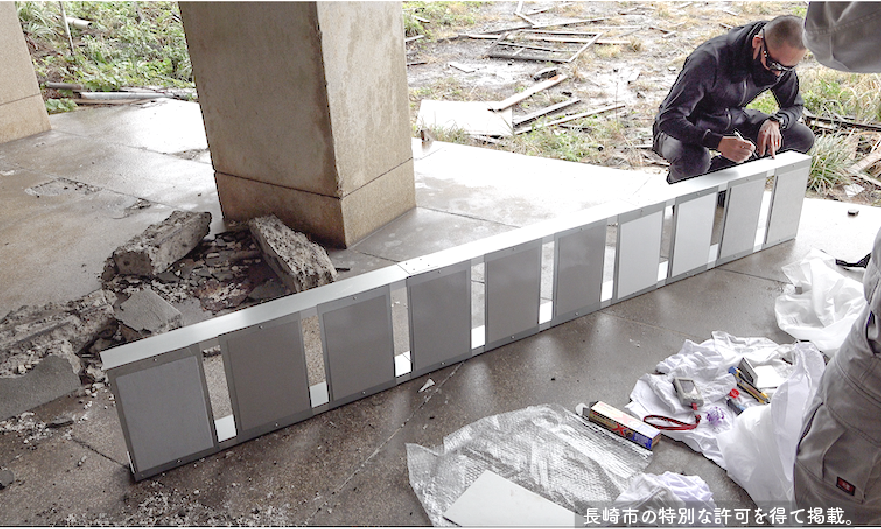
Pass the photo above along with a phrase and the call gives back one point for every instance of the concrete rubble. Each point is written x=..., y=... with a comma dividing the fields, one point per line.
x=299, y=262
x=145, y=314
x=148, y=278
x=30, y=333
x=162, y=244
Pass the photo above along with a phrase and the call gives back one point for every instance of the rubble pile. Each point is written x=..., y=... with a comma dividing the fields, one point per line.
x=146, y=280
x=299, y=262
x=69, y=330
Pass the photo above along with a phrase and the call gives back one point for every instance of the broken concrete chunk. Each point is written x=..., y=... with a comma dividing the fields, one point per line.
x=147, y=314
x=31, y=333
x=300, y=263
x=6, y=478
x=60, y=421
x=160, y=245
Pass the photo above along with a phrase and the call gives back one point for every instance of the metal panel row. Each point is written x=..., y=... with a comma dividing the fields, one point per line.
x=160, y=384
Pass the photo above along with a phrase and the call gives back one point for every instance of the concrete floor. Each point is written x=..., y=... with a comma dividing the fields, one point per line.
x=347, y=466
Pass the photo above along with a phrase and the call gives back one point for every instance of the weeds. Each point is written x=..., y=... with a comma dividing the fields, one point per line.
x=124, y=45
x=832, y=155
x=58, y=106
x=827, y=92
x=441, y=16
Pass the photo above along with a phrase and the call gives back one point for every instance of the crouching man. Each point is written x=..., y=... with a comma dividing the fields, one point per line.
x=705, y=108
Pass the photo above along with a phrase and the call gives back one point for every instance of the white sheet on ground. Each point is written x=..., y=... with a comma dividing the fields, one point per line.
x=669, y=490
x=759, y=451
x=707, y=363
x=820, y=304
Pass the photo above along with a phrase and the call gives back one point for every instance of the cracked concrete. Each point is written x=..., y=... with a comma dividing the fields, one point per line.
x=346, y=466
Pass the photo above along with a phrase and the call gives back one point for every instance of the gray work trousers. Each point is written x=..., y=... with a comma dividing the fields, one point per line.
x=838, y=459
x=690, y=160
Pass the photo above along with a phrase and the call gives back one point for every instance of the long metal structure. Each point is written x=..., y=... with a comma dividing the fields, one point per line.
x=159, y=383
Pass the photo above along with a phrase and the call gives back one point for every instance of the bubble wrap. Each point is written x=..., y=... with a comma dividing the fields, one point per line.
x=545, y=449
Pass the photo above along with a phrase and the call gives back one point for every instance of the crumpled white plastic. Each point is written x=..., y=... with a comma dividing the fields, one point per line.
x=820, y=304
x=756, y=448
x=667, y=490
x=707, y=363
x=759, y=451
x=653, y=492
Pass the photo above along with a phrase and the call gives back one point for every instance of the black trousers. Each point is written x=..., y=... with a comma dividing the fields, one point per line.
x=688, y=160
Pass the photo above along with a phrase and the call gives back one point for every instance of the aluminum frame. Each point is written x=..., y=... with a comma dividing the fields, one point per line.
x=513, y=258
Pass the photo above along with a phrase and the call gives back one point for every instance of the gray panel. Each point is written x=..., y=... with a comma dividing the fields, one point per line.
x=440, y=316
x=786, y=204
x=578, y=274
x=358, y=346
x=693, y=234
x=742, y=218
x=266, y=373
x=639, y=254
x=513, y=288
x=166, y=412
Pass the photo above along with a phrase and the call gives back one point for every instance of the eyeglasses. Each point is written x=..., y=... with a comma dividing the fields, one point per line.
x=770, y=62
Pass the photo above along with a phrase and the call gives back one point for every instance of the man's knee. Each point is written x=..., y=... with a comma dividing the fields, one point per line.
x=688, y=165
x=799, y=138
x=685, y=160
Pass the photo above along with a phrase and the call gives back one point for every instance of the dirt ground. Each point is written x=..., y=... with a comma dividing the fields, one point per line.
x=649, y=43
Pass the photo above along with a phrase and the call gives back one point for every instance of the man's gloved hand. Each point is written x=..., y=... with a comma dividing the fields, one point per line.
x=736, y=149
x=769, y=138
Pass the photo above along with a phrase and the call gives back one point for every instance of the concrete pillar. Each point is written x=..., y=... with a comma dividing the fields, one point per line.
x=22, y=111
x=306, y=111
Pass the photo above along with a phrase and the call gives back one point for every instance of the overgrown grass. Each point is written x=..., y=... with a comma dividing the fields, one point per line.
x=830, y=92
x=442, y=18
x=127, y=44
x=832, y=155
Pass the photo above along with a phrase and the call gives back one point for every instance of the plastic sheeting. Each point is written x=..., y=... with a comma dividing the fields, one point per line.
x=759, y=451
x=757, y=448
x=820, y=304
x=545, y=449
x=669, y=490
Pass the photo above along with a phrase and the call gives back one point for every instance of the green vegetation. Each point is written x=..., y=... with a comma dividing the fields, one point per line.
x=857, y=96
x=437, y=19
x=57, y=106
x=125, y=44
x=832, y=155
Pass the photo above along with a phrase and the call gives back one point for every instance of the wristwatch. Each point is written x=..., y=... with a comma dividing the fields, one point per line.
x=776, y=118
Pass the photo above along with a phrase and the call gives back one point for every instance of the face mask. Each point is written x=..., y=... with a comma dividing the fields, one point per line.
x=762, y=75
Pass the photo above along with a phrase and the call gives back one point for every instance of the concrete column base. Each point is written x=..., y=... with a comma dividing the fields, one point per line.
x=335, y=221
x=22, y=118
x=22, y=112
x=306, y=112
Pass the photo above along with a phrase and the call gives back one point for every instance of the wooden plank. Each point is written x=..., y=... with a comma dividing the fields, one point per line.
x=565, y=40
x=866, y=162
x=587, y=45
x=528, y=47
x=545, y=26
x=542, y=10
x=479, y=36
x=544, y=111
x=534, y=89
x=842, y=122
x=573, y=117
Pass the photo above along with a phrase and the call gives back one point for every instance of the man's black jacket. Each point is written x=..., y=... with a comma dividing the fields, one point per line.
x=716, y=82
